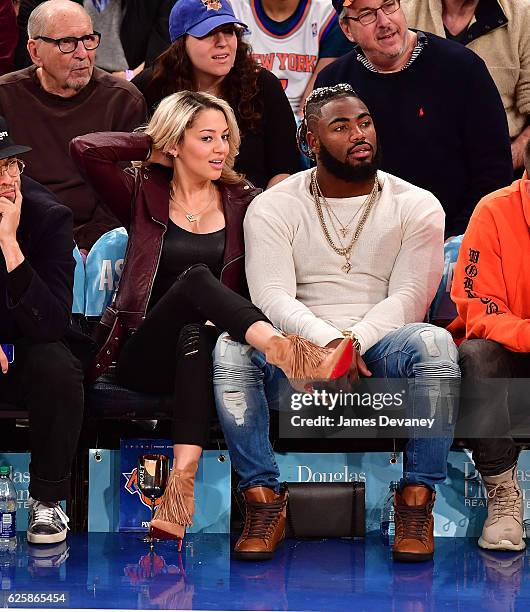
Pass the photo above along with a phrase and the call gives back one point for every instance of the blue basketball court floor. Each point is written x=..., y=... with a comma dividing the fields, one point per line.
x=117, y=571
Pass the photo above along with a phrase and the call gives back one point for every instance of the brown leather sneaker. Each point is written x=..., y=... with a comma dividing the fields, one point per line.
x=414, y=539
x=264, y=528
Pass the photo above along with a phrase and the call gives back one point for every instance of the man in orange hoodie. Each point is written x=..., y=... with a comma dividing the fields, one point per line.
x=491, y=289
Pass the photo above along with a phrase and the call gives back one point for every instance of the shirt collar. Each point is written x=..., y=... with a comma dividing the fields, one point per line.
x=489, y=16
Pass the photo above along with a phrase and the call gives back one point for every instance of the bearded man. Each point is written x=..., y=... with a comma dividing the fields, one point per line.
x=342, y=249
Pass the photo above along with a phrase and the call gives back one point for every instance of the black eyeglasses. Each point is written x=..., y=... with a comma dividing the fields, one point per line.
x=68, y=44
x=368, y=16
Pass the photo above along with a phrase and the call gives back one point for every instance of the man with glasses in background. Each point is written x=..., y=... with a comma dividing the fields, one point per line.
x=63, y=95
x=39, y=372
x=439, y=117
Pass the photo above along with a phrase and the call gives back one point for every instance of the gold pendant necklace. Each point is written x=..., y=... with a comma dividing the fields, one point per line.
x=191, y=217
x=343, y=229
x=368, y=205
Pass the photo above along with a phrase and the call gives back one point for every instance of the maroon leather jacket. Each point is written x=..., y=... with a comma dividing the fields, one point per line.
x=139, y=199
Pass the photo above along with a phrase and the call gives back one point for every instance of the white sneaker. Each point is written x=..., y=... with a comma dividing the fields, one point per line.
x=47, y=522
x=503, y=528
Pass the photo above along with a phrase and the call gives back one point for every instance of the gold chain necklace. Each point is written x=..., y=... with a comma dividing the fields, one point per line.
x=191, y=217
x=343, y=229
x=368, y=205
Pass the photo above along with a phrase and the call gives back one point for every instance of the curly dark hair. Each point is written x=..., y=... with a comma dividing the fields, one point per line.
x=313, y=107
x=173, y=71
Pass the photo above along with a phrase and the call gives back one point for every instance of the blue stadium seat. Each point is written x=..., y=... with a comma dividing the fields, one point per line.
x=103, y=270
x=443, y=309
x=78, y=306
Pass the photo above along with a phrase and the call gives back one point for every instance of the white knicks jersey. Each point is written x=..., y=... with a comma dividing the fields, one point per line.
x=292, y=54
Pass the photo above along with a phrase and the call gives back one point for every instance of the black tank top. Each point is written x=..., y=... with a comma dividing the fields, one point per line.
x=180, y=250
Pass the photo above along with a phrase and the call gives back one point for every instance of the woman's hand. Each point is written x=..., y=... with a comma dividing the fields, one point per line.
x=129, y=75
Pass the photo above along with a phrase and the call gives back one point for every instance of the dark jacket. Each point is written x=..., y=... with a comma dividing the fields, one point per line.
x=140, y=200
x=37, y=295
x=144, y=30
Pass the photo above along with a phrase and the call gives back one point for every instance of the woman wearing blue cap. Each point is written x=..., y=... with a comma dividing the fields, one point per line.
x=207, y=54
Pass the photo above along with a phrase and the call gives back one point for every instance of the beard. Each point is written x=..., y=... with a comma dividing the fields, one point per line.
x=77, y=84
x=349, y=173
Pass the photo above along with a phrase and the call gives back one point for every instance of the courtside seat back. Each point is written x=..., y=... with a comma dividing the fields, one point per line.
x=78, y=305
x=103, y=270
x=443, y=309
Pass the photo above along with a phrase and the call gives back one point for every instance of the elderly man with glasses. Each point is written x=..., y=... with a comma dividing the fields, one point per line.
x=439, y=116
x=134, y=33
x=63, y=95
x=39, y=371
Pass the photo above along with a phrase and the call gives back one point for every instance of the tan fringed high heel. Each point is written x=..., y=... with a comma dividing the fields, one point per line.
x=176, y=509
x=302, y=360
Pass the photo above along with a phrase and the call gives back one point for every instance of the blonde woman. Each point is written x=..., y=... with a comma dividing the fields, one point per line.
x=184, y=208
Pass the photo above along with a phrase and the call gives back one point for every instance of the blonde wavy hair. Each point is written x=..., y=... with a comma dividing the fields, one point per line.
x=176, y=113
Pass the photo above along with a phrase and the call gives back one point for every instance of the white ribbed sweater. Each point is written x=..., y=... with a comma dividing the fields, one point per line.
x=295, y=277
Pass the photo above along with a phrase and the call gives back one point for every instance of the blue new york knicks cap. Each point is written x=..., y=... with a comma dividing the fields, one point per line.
x=199, y=17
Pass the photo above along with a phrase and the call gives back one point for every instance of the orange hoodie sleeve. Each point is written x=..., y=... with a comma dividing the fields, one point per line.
x=479, y=289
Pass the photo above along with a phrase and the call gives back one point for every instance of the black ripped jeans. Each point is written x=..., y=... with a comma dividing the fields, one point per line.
x=171, y=352
x=492, y=403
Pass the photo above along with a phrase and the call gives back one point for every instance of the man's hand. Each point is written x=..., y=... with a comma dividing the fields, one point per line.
x=358, y=367
x=3, y=361
x=9, y=221
x=10, y=213
x=517, y=154
x=518, y=147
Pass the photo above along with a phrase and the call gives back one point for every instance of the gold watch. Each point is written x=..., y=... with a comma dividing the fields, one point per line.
x=356, y=344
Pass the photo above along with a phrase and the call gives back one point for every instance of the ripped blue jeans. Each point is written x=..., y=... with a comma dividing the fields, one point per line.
x=245, y=386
